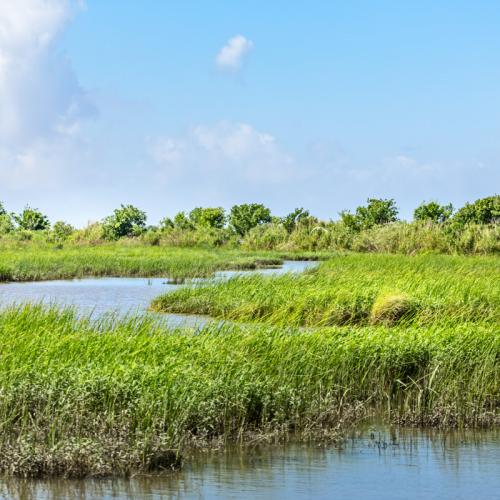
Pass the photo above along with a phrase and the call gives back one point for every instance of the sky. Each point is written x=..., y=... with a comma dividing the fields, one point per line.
x=169, y=105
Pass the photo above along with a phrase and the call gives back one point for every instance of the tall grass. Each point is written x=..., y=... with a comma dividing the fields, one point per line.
x=79, y=398
x=30, y=262
x=351, y=289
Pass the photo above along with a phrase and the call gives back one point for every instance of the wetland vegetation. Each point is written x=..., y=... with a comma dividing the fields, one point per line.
x=402, y=332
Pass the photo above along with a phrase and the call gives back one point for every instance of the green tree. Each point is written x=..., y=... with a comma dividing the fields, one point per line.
x=244, y=217
x=61, y=230
x=125, y=221
x=482, y=211
x=294, y=218
x=213, y=217
x=433, y=212
x=31, y=219
x=182, y=221
x=376, y=212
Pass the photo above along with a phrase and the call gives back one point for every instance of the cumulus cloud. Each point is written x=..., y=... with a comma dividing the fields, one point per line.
x=225, y=153
x=42, y=104
x=232, y=55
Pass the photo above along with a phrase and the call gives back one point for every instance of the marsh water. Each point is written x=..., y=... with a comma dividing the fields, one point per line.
x=371, y=463
x=378, y=463
x=98, y=296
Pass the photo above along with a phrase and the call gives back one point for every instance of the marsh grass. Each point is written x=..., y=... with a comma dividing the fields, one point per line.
x=31, y=263
x=353, y=290
x=80, y=398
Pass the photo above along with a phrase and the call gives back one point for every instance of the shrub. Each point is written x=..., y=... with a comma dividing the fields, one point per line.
x=125, y=221
x=433, y=212
x=208, y=217
x=482, y=211
x=244, y=217
x=31, y=219
x=376, y=212
x=61, y=231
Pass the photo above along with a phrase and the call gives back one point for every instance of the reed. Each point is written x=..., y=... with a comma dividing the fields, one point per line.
x=81, y=398
x=349, y=289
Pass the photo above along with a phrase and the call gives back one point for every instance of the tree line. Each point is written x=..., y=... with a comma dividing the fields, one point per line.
x=130, y=221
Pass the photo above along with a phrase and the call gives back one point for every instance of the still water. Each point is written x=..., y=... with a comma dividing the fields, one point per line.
x=97, y=296
x=386, y=464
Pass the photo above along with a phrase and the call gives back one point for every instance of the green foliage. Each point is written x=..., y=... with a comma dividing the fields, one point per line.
x=433, y=212
x=182, y=221
x=61, y=231
x=247, y=216
x=6, y=223
x=482, y=211
x=2, y=209
x=166, y=223
x=208, y=217
x=31, y=219
x=294, y=218
x=376, y=212
x=125, y=221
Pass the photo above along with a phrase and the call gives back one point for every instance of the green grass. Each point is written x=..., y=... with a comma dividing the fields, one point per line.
x=31, y=262
x=449, y=290
x=80, y=398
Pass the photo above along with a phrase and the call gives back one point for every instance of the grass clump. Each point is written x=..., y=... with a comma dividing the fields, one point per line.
x=389, y=309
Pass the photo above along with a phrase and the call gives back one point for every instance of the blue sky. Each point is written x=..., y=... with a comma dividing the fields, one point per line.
x=170, y=105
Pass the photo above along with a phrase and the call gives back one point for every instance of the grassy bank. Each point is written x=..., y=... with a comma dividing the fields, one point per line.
x=31, y=262
x=355, y=289
x=84, y=399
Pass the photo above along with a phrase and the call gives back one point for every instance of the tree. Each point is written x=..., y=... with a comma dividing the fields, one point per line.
x=244, y=217
x=291, y=220
x=2, y=209
x=433, y=212
x=482, y=211
x=182, y=221
x=125, y=221
x=31, y=219
x=208, y=217
x=62, y=230
x=376, y=212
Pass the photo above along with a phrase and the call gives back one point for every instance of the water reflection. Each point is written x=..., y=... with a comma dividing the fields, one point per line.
x=384, y=463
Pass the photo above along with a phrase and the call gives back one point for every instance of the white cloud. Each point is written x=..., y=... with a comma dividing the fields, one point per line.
x=226, y=153
x=42, y=103
x=231, y=56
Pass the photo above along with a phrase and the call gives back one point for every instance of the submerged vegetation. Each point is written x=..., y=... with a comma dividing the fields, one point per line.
x=125, y=395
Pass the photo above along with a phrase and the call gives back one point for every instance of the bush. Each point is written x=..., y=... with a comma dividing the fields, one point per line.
x=376, y=212
x=125, y=221
x=482, y=211
x=208, y=217
x=433, y=212
x=247, y=216
x=61, y=231
x=6, y=223
x=31, y=219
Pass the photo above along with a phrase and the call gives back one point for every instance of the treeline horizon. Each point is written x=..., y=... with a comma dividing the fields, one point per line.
x=372, y=227
x=129, y=220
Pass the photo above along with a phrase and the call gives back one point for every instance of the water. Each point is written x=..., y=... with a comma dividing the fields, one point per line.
x=391, y=464
x=97, y=296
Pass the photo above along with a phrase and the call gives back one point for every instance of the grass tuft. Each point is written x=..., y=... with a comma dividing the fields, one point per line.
x=390, y=309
